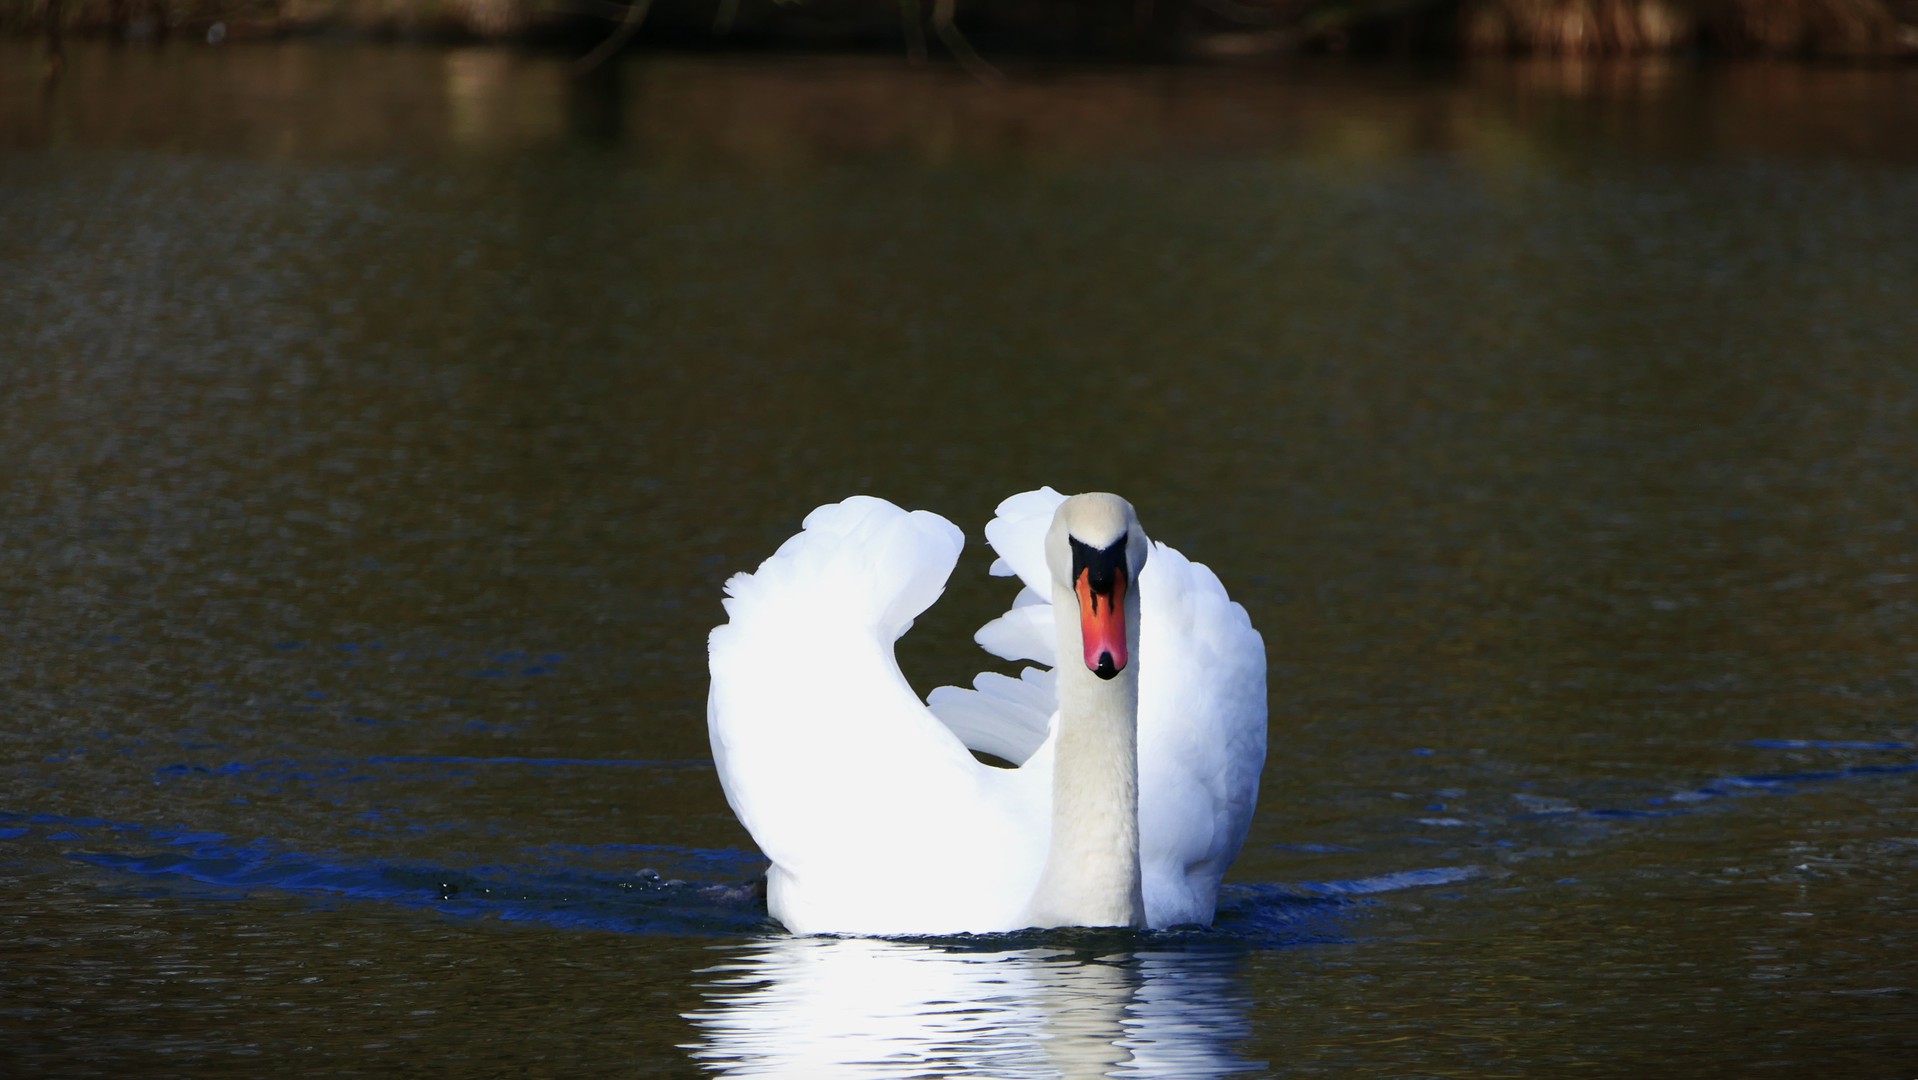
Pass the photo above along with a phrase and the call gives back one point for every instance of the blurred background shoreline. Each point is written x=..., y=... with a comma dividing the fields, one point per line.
x=319, y=100
x=973, y=30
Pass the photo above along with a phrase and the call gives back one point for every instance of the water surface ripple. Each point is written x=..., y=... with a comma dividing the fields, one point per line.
x=380, y=424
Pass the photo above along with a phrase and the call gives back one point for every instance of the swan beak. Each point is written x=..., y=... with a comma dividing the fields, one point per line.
x=1102, y=622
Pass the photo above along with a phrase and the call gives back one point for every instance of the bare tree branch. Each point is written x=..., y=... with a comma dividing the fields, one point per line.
x=961, y=49
x=628, y=26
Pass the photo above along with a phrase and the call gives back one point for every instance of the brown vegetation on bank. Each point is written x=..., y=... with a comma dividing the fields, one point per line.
x=1849, y=29
x=1834, y=28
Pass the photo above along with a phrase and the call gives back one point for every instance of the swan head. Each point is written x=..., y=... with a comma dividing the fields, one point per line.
x=1095, y=550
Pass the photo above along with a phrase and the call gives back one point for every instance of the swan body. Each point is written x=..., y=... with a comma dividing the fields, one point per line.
x=1136, y=741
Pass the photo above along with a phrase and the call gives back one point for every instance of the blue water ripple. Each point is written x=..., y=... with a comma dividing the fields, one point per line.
x=642, y=901
x=1826, y=744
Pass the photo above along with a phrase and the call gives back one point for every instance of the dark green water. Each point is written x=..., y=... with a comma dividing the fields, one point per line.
x=378, y=426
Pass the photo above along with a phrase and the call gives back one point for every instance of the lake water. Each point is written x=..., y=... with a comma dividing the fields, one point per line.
x=379, y=425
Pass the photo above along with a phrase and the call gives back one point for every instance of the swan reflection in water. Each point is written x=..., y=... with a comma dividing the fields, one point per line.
x=862, y=1007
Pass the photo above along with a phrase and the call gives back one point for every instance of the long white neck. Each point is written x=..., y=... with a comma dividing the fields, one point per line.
x=1091, y=877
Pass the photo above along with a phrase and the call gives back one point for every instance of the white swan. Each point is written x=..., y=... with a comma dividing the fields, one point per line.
x=1137, y=758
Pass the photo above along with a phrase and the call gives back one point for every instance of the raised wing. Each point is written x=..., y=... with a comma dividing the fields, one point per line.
x=1202, y=728
x=844, y=778
x=1005, y=717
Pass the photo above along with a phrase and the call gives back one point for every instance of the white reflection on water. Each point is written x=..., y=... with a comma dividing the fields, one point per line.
x=857, y=1007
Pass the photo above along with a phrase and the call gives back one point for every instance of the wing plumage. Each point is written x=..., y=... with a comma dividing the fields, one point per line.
x=844, y=778
x=1006, y=717
x=1201, y=734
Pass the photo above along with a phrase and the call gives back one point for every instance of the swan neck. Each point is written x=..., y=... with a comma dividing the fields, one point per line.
x=1091, y=876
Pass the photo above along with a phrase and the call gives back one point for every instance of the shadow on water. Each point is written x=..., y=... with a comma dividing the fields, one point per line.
x=1070, y=1003
x=659, y=899
x=672, y=890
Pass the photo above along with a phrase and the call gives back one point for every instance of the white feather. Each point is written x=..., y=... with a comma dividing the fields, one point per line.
x=1201, y=735
x=1023, y=633
x=1002, y=716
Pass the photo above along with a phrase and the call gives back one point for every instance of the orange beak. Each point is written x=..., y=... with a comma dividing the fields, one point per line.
x=1102, y=624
